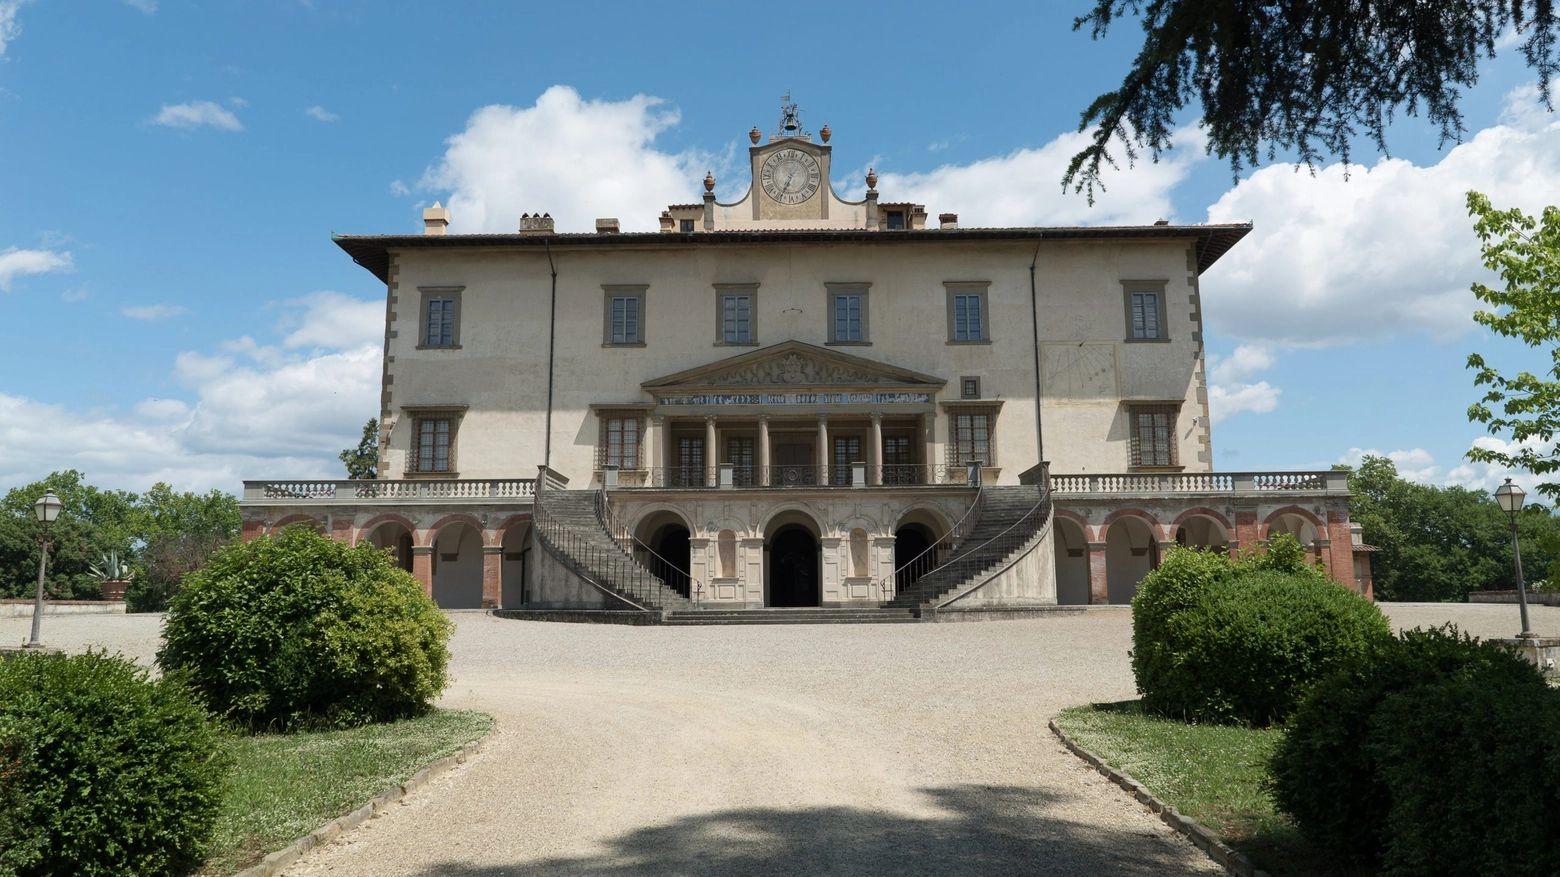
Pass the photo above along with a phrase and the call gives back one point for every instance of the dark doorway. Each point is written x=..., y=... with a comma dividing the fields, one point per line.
x=793, y=465
x=403, y=551
x=910, y=558
x=671, y=543
x=793, y=568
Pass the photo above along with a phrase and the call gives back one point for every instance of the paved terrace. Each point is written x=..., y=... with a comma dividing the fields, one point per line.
x=826, y=749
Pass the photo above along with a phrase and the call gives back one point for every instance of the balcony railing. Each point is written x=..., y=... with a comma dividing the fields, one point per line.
x=391, y=490
x=794, y=476
x=1179, y=483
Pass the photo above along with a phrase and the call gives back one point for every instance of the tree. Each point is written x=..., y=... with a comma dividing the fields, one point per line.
x=363, y=460
x=1301, y=75
x=1525, y=253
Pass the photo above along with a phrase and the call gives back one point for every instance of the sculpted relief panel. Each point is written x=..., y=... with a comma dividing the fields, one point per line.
x=793, y=368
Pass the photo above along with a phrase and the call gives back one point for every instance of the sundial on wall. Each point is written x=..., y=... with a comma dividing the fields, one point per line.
x=1079, y=371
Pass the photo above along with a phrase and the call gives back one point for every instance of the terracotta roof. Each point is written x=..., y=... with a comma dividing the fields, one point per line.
x=373, y=251
x=1365, y=549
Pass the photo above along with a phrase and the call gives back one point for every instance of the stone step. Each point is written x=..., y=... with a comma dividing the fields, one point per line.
x=790, y=616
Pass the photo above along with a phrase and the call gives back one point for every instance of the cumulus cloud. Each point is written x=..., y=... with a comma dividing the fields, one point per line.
x=15, y=262
x=1229, y=393
x=146, y=6
x=153, y=312
x=320, y=114
x=1023, y=188
x=10, y=25
x=197, y=114
x=567, y=156
x=252, y=411
x=1418, y=464
x=1414, y=464
x=1389, y=251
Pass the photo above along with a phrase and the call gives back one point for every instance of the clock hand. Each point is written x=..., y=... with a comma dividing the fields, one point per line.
x=788, y=178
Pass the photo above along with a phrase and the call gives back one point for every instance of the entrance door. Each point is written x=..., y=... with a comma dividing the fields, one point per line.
x=793, y=565
x=793, y=465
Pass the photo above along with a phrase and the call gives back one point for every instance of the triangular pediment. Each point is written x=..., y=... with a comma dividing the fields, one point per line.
x=794, y=364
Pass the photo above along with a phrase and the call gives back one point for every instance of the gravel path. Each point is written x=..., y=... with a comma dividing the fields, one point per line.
x=820, y=749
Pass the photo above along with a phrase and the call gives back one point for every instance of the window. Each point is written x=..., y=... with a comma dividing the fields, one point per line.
x=847, y=450
x=440, y=324
x=1145, y=312
x=969, y=388
x=620, y=440
x=968, y=322
x=624, y=312
x=431, y=439
x=896, y=220
x=1153, y=434
x=686, y=226
x=736, y=321
x=971, y=439
x=739, y=453
x=848, y=315
x=690, y=464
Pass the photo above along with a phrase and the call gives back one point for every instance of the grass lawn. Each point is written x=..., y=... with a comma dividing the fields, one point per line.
x=285, y=786
x=1211, y=773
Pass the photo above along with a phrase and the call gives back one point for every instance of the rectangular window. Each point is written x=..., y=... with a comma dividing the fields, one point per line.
x=736, y=319
x=896, y=450
x=739, y=453
x=690, y=464
x=971, y=438
x=623, y=310
x=847, y=450
x=620, y=441
x=1153, y=435
x=686, y=226
x=847, y=318
x=1145, y=302
x=440, y=322
x=432, y=435
x=896, y=220
x=969, y=388
x=968, y=320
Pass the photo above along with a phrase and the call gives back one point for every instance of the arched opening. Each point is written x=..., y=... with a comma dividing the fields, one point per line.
x=516, y=587
x=670, y=557
x=1299, y=527
x=1131, y=552
x=1201, y=531
x=1072, y=562
x=394, y=537
x=910, y=543
x=793, y=567
x=457, y=567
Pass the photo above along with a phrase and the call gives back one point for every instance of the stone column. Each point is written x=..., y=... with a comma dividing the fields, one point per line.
x=763, y=450
x=422, y=566
x=492, y=576
x=875, y=453
x=651, y=453
x=823, y=449
x=1099, y=590
x=711, y=454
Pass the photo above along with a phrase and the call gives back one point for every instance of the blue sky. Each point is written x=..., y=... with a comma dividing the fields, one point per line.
x=170, y=173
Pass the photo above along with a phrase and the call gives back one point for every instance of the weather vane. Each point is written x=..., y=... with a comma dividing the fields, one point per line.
x=790, y=118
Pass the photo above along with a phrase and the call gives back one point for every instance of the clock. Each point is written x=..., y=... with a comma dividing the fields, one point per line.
x=790, y=176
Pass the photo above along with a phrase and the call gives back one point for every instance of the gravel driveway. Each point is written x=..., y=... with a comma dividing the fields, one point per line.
x=820, y=749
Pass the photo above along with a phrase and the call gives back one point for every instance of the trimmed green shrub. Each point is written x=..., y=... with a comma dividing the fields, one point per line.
x=1441, y=755
x=1216, y=640
x=102, y=770
x=299, y=629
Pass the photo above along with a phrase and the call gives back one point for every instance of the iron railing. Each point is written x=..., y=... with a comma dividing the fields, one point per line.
x=795, y=476
x=1012, y=538
x=609, y=569
x=674, y=577
x=935, y=555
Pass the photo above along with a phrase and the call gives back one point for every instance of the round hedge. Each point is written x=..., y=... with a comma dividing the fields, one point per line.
x=1226, y=641
x=299, y=629
x=102, y=770
x=1440, y=755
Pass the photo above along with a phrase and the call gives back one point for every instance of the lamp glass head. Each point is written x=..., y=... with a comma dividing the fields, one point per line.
x=1510, y=497
x=47, y=508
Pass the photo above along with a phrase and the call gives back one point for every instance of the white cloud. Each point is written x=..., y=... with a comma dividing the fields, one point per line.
x=398, y=188
x=15, y=262
x=1023, y=188
x=1418, y=464
x=196, y=114
x=1389, y=251
x=10, y=26
x=1228, y=391
x=1414, y=464
x=256, y=412
x=146, y=6
x=573, y=158
x=71, y=296
x=153, y=312
x=319, y=113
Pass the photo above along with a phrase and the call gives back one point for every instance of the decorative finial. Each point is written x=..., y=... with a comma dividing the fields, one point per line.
x=754, y=134
x=709, y=181
x=825, y=133
x=871, y=178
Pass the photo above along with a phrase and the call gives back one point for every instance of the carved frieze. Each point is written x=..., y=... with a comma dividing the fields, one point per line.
x=792, y=369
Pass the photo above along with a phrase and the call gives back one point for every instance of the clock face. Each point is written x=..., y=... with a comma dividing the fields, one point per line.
x=791, y=176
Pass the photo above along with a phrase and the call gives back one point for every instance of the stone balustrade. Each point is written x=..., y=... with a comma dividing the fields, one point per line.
x=389, y=490
x=1144, y=484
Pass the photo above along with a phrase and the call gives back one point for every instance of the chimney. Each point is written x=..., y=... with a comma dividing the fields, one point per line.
x=1163, y=222
x=536, y=223
x=607, y=225
x=436, y=219
x=947, y=220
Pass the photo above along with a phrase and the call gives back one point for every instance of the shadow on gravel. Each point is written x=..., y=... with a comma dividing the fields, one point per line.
x=988, y=831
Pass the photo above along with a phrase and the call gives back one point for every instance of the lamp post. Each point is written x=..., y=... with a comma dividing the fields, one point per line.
x=1510, y=498
x=47, y=508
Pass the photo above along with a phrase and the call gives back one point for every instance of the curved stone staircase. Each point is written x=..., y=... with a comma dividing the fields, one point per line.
x=993, y=540
x=590, y=552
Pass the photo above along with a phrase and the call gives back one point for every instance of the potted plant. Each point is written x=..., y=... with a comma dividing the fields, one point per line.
x=114, y=575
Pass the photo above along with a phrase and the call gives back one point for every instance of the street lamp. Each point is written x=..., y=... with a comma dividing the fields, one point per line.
x=1510, y=498
x=47, y=508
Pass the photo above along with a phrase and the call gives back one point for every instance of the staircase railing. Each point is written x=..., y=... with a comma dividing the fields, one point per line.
x=664, y=569
x=936, y=555
x=1015, y=535
x=610, y=571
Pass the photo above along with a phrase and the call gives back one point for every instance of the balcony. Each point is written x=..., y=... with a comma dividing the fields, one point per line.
x=389, y=491
x=1178, y=484
x=791, y=477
